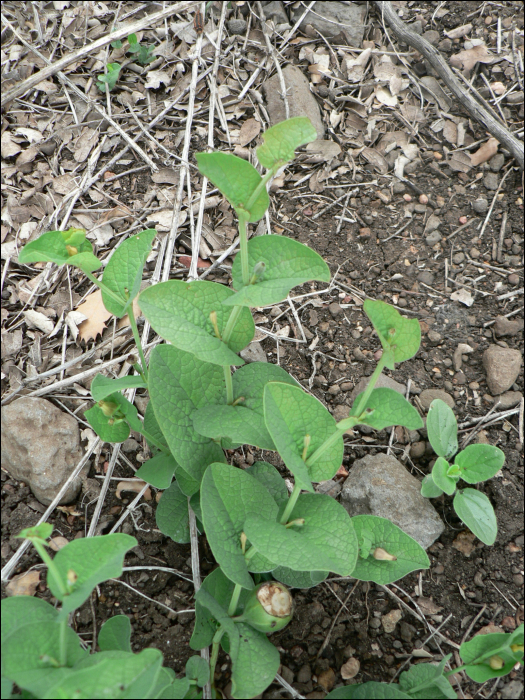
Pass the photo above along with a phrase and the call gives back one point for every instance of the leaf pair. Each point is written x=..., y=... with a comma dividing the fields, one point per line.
x=61, y=247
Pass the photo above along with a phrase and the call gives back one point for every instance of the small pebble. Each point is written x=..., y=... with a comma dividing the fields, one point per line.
x=474, y=253
x=458, y=258
x=407, y=198
x=463, y=220
x=480, y=206
x=438, y=155
x=514, y=279
x=423, y=199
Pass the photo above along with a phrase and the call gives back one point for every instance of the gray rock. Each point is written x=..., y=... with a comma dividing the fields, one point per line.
x=332, y=18
x=383, y=382
x=399, y=187
x=491, y=181
x=341, y=412
x=130, y=445
x=434, y=337
x=300, y=100
x=275, y=11
x=237, y=26
x=480, y=206
x=497, y=162
x=331, y=488
x=433, y=238
x=335, y=309
x=41, y=446
x=428, y=395
x=432, y=37
x=380, y=485
x=512, y=690
x=508, y=400
x=504, y=326
x=502, y=366
x=254, y=353
x=458, y=258
x=426, y=277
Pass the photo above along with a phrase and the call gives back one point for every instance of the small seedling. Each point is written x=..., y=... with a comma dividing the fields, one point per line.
x=109, y=78
x=198, y=408
x=145, y=54
x=474, y=464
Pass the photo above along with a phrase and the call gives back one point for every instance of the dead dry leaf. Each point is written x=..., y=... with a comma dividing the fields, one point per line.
x=485, y=153
x=375, y=159
x=384, y=96
x=432, y=90
x=428, y=607
x=323, y=150
x=460, y=161
x=467, y=59
x=463, y=296
x=24, y=584
x=9, y=146
x=155, y=78
x=464, y=542
x=85, y=144
x=37, y=320
x=249, y=130
x=350, y=669
x=450, y=132
x=135, y=486
x=96, y=314
x=166, y=176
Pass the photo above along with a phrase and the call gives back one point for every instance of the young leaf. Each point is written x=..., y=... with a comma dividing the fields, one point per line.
x=92, y=561
x=477, y=653
x=479, y=462
x=298, y=579
x=326, y=541
x=399, y=336
x=219, y=614
x=110, y=78
x=288, y=264
x=115, y=634
x=172, y=514
x=228, y=496
x=429, y=488
x=442, y=429
x=53, y=247
x=123, y=273
x=236, y=179
x=441, y=478
x=180, y=313
x=243, y=423
x=281, y=140
x=106, y=427
x=198, y=669
x=291, y=415
x=102, y=387
x=410, y=556
x=426, y=681
x=269, y=477
x=179, y=383
x=476, y=511
x=158, y=471
x=369, y=691
x=189, y=485
x=255, y=665
x=387, y=407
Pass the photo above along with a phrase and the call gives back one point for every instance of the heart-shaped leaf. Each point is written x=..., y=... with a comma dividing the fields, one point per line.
x=479, y=462
x=61, y=247
x=399, y=336
x=158, y=471
x=115, y=634
x=281, y=140
x=255, y=665
x=298, y=579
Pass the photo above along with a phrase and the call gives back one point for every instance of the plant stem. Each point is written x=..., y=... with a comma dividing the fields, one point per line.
x=262, y=184
x=213, y=659
x=51, y=567
x=231, y=323
x=325, y=446
x=62, y=641
x=104, y=288
x=149, y=437
x=371, y=384
x=136, y=336
x=229, y=384
x=291, y=504
x=234, y=600
x=243, y=236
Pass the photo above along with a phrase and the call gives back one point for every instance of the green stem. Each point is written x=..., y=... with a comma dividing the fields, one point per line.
x=234, y=602
x=231, y=323
x=63, y=641
x=149, y=437
x=291, y=504
x=214, y=655
x=104, y=288
x=243, y=236
x=371, y=384
x=136, y=336
x=229, y=384
x=51, y=566
x=257, y=191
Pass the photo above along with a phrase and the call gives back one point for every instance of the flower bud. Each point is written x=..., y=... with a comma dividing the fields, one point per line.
x=382, y=555
x=516, y=647
x=496, y=663
x=71, y=250
x=108, y=407
x=269, y=607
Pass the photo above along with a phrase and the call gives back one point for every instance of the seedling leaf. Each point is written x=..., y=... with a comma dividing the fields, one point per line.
x=158, y=471
x=236, y=179
x=228, y=496
x=172, y=514
x=476, y=511
x=442, y=429
x=51, y=247
x=369, y=691
x=288, y=264
x=197, y=669
x=326, y=541
x=108, y=428
x=426, y=681
x=386, y=407
x=180, y=313
x=476, y=654
x=281, y=140
x=115, y=634
x=410, y=556
x=123, y=273
x=399, y=336
x=479, y=462
x=255, y=665
x=102, y=387
x=110, y=78
x=429, y=488
x=441, y=478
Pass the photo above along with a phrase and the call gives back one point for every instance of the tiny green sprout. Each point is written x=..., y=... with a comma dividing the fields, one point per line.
x=306, y=445
x=382, y=555
x=496, y=662
x=244, y=539
x=239, y=400
x=298, y=522
x=110, y=78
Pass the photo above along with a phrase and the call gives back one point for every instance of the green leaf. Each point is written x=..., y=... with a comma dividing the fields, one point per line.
x=236, y=179
x=442, y=429
x=228, y=496
x=429, y=489
x=326, y=541
x=123, y=273
x=476, y=511
x=172, y=514
x=245, y=422
x=479, y=462
x=298, y=579
x=158, y=471
x=280, y=142
x=269, y=477
x=290, y=416
x=51, y=247
x=255, y=664
x=219, y=614
x=132, y=40
x=198, y=669
x=288, y=264
x=441, y=478
x=384, y=534
x=31, y=636
x=6, y=688
x=110, y=78
x=179, y=383
x=426, y=681
x=399, y=336
x=168, y=686
x=386, y=407
x=152, y=427
x=369, y=691
x=106, y=427
x=188, y=484
x=92, y=561
x=102, y=387
x=115, y=634
x=476, y=654
x=180, y=313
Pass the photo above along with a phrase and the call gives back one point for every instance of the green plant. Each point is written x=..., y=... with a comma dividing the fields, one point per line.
x=484, y=657
x=198, y=408
x=474, y=464
x=109, y=78
x=145, y=54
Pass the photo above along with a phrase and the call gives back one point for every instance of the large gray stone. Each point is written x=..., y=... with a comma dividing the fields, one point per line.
x=333, y=18
x=41, y=446
x=301, y=102
x=380, y=485
x=502, y=366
